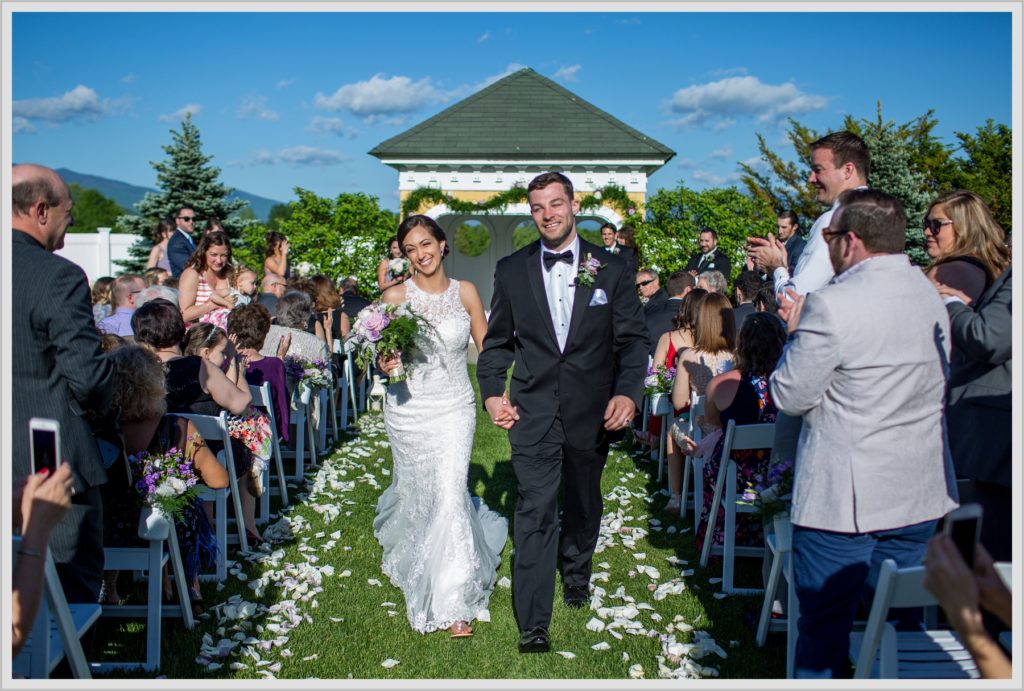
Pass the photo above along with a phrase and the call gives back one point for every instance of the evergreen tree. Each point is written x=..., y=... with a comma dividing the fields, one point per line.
x=185, y=178
x=987, y=169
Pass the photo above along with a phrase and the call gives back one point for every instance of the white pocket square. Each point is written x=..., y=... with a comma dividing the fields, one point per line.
x=598, y=298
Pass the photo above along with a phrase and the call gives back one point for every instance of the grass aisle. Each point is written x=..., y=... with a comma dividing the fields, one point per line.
x=316, y=605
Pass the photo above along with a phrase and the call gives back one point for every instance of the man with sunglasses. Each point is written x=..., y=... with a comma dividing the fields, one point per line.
x=649, y=287
x=865, y=367
x=181, y=246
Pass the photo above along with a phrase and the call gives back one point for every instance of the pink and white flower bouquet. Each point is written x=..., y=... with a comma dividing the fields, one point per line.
x=383, y=329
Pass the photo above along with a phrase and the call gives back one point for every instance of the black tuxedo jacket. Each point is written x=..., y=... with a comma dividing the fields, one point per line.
x=605, y=351
x=659, y=322
x=178, y=253
x=719, y=262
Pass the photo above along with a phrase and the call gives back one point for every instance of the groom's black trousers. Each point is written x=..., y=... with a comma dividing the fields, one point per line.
x=538, y=468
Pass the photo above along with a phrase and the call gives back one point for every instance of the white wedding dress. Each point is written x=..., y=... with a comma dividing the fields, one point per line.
x=441, y=547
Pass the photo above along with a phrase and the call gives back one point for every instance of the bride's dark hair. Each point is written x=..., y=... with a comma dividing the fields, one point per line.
x=421, y=221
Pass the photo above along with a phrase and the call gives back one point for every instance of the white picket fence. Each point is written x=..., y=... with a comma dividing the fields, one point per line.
x=97, y=252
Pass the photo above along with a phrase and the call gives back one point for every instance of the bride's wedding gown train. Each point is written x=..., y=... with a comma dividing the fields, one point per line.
x=441, y=547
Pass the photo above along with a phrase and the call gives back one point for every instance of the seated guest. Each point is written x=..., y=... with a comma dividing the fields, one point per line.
x=248, y=326
x=315, y=323
x=741, y=395
x=712, y=351
x=271, y=289
x=293, y=313
x=125, y=289
x=327, y=309
x=712, y=281
x=351, y=301
x=164, y=292
x=155, y=276
x=195, y=385
x=204, y=286
x=649, y=287
x=659, y=321
x=102, y=298
x=745, y=288
x=764, y=300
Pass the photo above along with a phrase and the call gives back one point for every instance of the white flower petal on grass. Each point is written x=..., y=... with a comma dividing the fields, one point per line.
x=345, y=574
x=605, y=565
x=603, y=645
x=484, y=615
x=639, y=555
x=373, y=581
x=504, y=582
x=636, y=671
x=566, y=654
x=311, y=657
x=714, y=580
x=389, y=663
x=387, y=604
x=595, y=624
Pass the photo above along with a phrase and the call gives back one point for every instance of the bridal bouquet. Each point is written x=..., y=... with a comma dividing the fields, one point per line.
x=382, y=329
x=166, y=481
x=398, y=267
x=772, y=497
x=659, y=380
x=312, y=374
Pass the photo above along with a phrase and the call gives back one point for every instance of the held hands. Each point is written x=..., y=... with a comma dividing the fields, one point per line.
x=503, y=414
x=619, y=413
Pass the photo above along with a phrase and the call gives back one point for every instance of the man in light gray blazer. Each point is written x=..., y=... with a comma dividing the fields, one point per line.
x=866, y=367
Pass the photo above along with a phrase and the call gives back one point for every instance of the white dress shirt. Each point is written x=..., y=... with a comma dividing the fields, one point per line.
x=560, y=286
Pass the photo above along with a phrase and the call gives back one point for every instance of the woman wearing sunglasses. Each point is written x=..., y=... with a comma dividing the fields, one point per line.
x=967, y=246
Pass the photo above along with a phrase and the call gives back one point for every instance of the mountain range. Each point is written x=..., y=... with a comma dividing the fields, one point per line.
x=126, y=194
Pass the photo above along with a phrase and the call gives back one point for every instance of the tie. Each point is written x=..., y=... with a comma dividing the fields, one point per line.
x=550, y=258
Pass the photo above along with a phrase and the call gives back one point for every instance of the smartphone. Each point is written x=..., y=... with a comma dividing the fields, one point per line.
x=964, y=526
x=44, y=437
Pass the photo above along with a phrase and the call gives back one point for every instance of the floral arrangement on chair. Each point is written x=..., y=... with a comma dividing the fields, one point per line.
x=773, y=495
x=166, y=481
x=659, y=380
x=311, y=374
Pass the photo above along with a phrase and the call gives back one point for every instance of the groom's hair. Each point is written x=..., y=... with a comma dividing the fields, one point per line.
x=545, y=179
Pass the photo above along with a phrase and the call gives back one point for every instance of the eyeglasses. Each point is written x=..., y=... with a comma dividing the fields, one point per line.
x=648, y=282
x=186, y=218
x=827, y=233
x=934, y=225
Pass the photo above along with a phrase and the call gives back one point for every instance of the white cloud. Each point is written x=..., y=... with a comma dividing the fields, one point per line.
x=180, y=113
x=283, y=83
x=128, y=79
x=706, y=104
x=713, y=180
x=381, y=97
x=723, y=124
x=686, y=163
x=295, y=156
x=256, y=107
x=79, y=103
x=724, y=152
x=728, y=71
x=23, y=126
x=509, y=69
x=483, y=37
x=756, y=162
x=321, y=125
x=568, y=74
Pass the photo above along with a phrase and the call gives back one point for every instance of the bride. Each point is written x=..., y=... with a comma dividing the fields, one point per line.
x=441, y=547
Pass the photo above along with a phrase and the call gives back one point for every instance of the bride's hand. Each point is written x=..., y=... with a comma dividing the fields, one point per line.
x=502, y=413
x=388, y=364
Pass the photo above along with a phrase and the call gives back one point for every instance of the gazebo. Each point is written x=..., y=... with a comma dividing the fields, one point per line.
x=467, y=167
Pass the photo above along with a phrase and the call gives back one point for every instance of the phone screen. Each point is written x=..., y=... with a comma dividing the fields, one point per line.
x=44, y=449
x=965, y=534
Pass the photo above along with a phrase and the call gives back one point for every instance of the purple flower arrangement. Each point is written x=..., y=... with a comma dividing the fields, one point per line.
x=383, y=329
x=772, y=495
x=659, y=380
x=166, y=481
x=314, y=374
x=587, y=273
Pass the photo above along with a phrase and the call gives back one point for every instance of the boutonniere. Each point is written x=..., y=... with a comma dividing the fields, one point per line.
x=588, y=271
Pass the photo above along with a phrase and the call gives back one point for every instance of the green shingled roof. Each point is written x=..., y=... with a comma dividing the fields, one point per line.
x=520, y=117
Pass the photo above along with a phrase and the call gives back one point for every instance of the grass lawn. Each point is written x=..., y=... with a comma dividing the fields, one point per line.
x=317, y=606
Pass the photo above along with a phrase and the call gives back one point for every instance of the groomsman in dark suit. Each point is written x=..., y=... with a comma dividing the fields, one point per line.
x=181, y=245
x=57, y=369
x=789, y=234
x=564, y=314
x=710, y=258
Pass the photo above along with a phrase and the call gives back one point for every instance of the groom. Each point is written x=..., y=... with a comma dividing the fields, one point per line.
x=577, y=341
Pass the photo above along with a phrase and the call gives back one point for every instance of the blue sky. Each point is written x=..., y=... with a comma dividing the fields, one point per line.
x=297, y=99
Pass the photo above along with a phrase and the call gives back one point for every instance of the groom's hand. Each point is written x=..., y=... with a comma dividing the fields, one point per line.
x=502, y=413
x=619, y=414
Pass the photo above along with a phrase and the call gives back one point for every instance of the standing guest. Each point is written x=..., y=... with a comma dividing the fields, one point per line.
x=788, y=225
x=248, y=326
x=102, y=297
x=204, y=286
x=126, y=288
x=710, y=258
x=660, y=321
x=967, y=246
x=608, y=238
x=712, y=281
x=865, y=367
x=327, y=310
x=155, y=276
x=352, y=300
x=578, y=361
x=158, y=255
x=979, y=405
x=712, y=353
x=180, y=246
x=57, y=369
x=745, y=288
x=276, y=261
x=625, y=242
x=764, y=299
x=271, y=289
x=213, y=223
x=648, y=285
x=385, y=277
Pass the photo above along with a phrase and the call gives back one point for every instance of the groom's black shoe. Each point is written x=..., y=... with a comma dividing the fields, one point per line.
x=535, y=641
x=576, y=596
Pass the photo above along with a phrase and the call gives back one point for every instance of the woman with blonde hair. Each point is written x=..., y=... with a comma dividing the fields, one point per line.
x=712, y=351
x=102, y=297
x=967, y=246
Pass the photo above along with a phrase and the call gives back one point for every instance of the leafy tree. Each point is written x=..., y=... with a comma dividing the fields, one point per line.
x=987, y=169
x=674, y=217
x=92, y=210
x=344, y=236
x=185, y=178
x=278, y=213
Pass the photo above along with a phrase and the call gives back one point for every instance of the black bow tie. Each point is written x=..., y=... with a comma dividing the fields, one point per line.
x=550, y=258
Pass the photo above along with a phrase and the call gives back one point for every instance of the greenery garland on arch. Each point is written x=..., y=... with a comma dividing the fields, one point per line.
x=610, y=195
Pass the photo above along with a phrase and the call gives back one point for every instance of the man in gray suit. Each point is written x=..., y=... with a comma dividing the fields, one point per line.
x=866, y=367
x=57, y=368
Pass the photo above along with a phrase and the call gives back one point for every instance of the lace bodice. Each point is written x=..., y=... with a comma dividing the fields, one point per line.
x=440, y=355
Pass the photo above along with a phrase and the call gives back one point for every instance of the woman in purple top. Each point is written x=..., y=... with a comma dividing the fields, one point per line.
x=248, y=326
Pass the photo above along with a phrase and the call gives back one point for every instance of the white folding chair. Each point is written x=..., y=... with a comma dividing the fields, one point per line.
x=322, y=419
x=216, y=429
x=881, y=652
x=694, y=466
x=160, y=532
x=780, y=544
x=661, y=405
x=303, y=420
x=736, y=438
x=58, y=628
x=262, y=398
